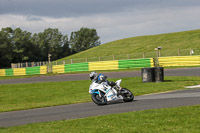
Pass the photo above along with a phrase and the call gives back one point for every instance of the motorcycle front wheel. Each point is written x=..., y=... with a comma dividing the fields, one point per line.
x=99, y=100
x=127, y=95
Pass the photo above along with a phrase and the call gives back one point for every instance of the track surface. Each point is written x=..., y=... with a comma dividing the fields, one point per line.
x=69, y=77
x=171, y=99
x=164, y=100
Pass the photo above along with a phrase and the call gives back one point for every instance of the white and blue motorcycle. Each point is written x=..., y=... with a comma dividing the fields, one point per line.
x=102, y=93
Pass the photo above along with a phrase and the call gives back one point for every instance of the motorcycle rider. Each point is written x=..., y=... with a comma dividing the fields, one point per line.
x=100, y=78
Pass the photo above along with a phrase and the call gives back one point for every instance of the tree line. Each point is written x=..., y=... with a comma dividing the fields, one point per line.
x=17, y=45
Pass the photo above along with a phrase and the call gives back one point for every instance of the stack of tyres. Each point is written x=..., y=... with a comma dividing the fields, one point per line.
x=147, y=75
x=153, y=74
x=159, y=74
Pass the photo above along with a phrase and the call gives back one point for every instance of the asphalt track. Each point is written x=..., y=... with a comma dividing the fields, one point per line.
x=69, y=77
x=74, y=111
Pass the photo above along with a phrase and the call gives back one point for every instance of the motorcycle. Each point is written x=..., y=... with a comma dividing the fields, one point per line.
x=102, y=93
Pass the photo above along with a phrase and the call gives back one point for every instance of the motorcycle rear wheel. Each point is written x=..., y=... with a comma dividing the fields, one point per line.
x=98, y=100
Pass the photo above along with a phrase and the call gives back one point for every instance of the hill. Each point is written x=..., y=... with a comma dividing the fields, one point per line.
x=173, y=44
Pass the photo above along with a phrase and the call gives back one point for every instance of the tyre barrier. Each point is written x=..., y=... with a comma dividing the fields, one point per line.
x=153, y=74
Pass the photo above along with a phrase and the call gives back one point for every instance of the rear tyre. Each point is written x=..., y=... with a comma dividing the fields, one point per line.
x=99, y=100
x=127, y=95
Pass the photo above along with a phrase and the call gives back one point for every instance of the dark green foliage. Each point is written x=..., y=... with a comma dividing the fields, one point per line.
x=50, y=42
x=84, y=39
x=21, y=46
x=6, y=46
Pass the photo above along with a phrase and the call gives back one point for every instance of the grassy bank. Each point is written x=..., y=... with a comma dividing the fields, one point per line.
x=169, y=120
x=26, y=96
x=137, y=47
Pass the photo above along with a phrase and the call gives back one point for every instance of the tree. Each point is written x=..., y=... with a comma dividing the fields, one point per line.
x=84, y=39
x=65, y=48
x=6, y=47
x=23, y=48
x=18, y=46
x=50, y=42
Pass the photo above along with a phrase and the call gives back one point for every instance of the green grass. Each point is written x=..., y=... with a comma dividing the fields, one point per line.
x=169, y=120
x=26, y=96
x=136, y=46
x=16, y=77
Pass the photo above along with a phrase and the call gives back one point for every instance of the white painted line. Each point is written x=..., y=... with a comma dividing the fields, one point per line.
x=195, y=86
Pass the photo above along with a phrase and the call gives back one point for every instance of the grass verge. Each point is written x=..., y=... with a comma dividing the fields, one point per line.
x=27, y=96
x=176, y=120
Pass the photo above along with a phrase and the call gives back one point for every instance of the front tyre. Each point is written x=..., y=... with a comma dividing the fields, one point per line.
x=99, y=100
x=127, y=95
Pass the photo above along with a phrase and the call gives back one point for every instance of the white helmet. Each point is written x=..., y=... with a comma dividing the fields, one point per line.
x=93, y=75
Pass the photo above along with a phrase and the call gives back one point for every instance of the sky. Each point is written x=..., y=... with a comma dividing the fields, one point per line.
x=113, y=19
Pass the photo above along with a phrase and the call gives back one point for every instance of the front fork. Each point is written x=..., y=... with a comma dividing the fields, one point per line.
x=99, y=93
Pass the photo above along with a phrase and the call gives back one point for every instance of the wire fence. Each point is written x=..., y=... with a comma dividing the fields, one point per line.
x=153, y=54
x=28, y=64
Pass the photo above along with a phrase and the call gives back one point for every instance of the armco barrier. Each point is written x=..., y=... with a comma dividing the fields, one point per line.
x=179, y=61
x=2, y=72
x=136, y=63
x=32, y=70
x=19, y=71
x=70, y=68
x=104, y=65
x=77, y=67
x=90, y=66
x=58, y=69
x=9, y=72
x=43, y=69
x=23, y=71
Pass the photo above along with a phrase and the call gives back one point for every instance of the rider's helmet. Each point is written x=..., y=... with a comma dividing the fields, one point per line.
x=93, y=75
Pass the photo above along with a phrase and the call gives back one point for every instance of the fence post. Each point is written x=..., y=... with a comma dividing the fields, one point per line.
x=18, y=65
x=143, y=54
x=49, y=67
x=191, y=52
x=128, y=56
x=113, y=57
x=71, y=61
x=159, y=53
x=178, y=52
